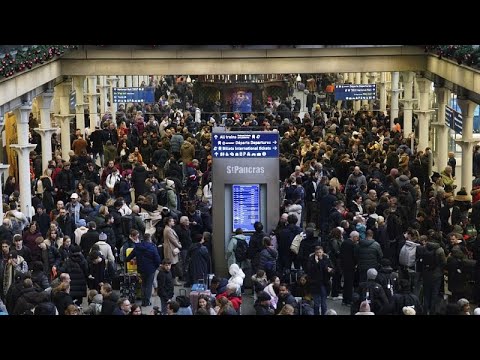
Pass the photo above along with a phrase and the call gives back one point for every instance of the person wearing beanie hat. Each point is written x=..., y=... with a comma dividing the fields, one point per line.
x=372, y=274
x=105, y=248
x=365, y=309
x=262, y=305
x=409, y=310
x=476, y=311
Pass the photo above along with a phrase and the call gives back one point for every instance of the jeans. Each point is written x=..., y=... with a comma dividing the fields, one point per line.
x=147, y=285
x=431, y=294
x=320, y=300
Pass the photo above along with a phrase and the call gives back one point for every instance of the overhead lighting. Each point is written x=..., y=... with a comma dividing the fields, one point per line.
x=189, y=79
x=299, y=78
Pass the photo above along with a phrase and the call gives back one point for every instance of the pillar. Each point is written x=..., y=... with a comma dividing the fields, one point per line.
x=394, y=95
x=407, y=103
x=23, y=149
x=79, y=85
x=64, y=117
x=121, y=81
x=113, y=81
x=441, y=151
x=92, y=101
x=45, y=130
x=129, y=81
x=3, y=177
x=135, y=82
x=423, y=112
x=467, y=143
x=382, y=90
x=372, y=79
x=356, y=103
x=104, y=88
x=364, y=82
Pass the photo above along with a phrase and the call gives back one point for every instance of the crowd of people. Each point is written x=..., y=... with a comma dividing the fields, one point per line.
x=364, y=219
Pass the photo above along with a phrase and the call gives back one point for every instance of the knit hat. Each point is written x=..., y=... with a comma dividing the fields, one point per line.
x=170, y=183
x=364, y=306
x=462, y=195
x=102, y=237
x=263, y=296
x=476, y=311
x=402, y=180
x=408, y=310
x=435, y=176
x=372, y=274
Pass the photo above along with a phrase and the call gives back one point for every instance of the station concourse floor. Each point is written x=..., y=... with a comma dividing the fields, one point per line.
x=247, y=303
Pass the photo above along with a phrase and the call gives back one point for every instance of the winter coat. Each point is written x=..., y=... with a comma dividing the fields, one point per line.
x=368, y=254
x=200, y=262
x=165, y=288
x=77, y=267
x=318, y=273
x=170, y=242
x=232, y=245
x=148, y=259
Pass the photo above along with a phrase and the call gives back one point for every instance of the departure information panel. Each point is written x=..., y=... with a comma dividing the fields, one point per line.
x=134, y=95
x=355, y=92
x=246, y=206
x=245, y=145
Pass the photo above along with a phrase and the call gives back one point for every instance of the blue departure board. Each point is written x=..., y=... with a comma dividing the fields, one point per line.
x=245, y=145
x=246, y=206
x=355, y=92
x=134, y=95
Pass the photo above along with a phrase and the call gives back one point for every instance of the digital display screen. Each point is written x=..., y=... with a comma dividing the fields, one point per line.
x=246, y=206
x=355, y=92
x=134, y=95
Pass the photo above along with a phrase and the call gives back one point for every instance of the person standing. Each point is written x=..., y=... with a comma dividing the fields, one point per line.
x=319, y=271
x=148, y=260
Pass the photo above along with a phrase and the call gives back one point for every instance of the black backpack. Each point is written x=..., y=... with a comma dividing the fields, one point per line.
x=429, y=259
x=162, y=196
x=241, y=250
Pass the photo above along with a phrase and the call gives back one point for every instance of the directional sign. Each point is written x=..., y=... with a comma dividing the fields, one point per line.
x=355, y=92
x=453, y=119
x=134, y=95
x=245, y=145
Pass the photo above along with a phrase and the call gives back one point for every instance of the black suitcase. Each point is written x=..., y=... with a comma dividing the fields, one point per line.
x=128, y=286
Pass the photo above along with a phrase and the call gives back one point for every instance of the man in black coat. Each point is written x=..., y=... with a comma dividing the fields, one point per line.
x=89, y=238
x=165, y=288
x=319, y=270
x=284, y=298
x=348, y=264
x=184, y=236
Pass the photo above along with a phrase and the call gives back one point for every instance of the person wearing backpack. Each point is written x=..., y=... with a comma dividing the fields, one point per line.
x=403, y=298
x=433, y=261
x=407, y=257
x=372, y=292
x=237, y=249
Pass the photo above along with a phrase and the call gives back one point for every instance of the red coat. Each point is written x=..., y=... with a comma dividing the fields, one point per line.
x=236, y=300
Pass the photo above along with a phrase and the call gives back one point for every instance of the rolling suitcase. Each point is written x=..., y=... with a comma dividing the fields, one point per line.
x=128, y=286
x=198, y=289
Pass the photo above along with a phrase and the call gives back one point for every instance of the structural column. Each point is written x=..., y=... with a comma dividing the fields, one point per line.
x=45, y=130
x=424, y=112
x=121, y=81
x=64, y=118
x=129, y=81
x=3, y=173
x=382, y=90
x=407, y=103
x=135, y=81
x=104, y=88
x=364, y=82
x=372, y=79
x=395, y=91
x=92, y=101
x=79, y=85
x=467, y=143
x=441, y=149
x=23, y=149
x=358, y=80
x=3, y=177
x=113, y=81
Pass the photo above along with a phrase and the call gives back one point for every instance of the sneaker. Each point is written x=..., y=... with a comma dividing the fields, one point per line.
x=329, y=297
x=339, y=297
